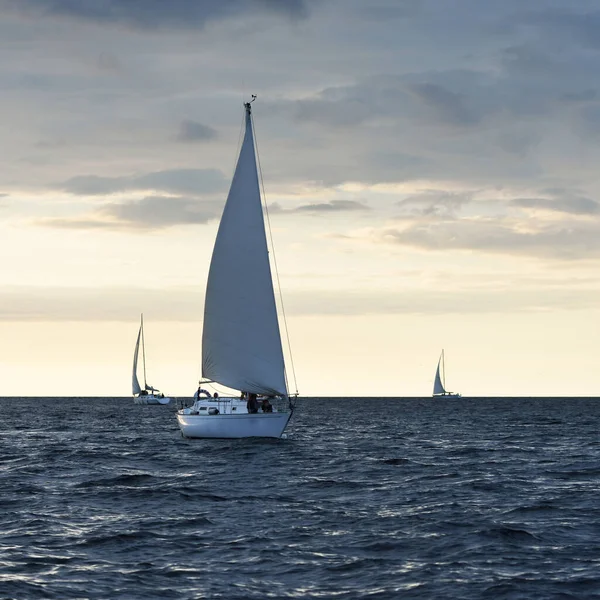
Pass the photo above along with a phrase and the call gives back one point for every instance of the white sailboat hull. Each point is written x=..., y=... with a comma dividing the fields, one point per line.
x=270, y=425
x=447, y=395
x=151, y=399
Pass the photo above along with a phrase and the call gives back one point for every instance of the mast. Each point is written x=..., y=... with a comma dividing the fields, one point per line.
x=143, y=351
x=248, y=107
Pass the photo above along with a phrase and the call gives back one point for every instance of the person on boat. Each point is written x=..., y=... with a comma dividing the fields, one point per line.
x=252, y=404
x=266, y=406
x=215, y=395
x=144, y=393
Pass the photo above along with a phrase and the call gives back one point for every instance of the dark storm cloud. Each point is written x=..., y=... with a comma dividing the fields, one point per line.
x=152, y=212
x=176, y=181
x=192, y=131
x=157, y=14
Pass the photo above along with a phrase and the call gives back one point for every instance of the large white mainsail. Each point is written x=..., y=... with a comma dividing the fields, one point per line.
x=241, y=343
x=135, y=384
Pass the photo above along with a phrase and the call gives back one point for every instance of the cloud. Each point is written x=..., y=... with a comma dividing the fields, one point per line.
x=323, y=207
x=588, y=95
x=558, y=224
x=333, y=206
x=191, y=131
x=468, y=301
x=456, y=98
x=108, y=62
x=176, y=181
x=434, y=202
x=563, y=202
x=530, y=60
x=579, y=23
x=447, y=107
x=453, y=125
x=158, y=14
x=150, y=213
x=185, y=304
x=483, y=108
x=30, y=303
x=486, y=105
x=400, y=9
x=562, y=240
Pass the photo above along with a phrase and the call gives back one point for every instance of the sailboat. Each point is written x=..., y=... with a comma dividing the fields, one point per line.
x=439, y=385
x=147, y=394
x=241, y=340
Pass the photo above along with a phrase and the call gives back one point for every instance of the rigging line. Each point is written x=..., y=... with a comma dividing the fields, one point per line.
x=287, y=333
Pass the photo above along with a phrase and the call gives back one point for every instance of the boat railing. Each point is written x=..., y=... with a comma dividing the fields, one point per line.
x=280, y=405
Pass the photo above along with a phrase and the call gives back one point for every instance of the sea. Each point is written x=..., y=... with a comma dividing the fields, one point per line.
x=366, y=498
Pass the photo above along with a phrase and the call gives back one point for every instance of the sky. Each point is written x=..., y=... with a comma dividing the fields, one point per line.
x=430, y=169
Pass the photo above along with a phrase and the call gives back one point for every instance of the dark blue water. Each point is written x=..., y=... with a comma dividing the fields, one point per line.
x=367, y=498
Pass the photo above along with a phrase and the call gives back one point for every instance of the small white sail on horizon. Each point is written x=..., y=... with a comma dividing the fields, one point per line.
x=439, y=384
x=147, y=394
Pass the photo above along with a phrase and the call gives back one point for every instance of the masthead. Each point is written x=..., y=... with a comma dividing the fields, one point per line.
x=247, y=104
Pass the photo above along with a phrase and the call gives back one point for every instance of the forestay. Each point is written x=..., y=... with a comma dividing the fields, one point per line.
x=241, y=343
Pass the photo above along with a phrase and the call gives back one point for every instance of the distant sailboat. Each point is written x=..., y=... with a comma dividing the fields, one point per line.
x=241, y=341
x=147, y=394
x=439, y=385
